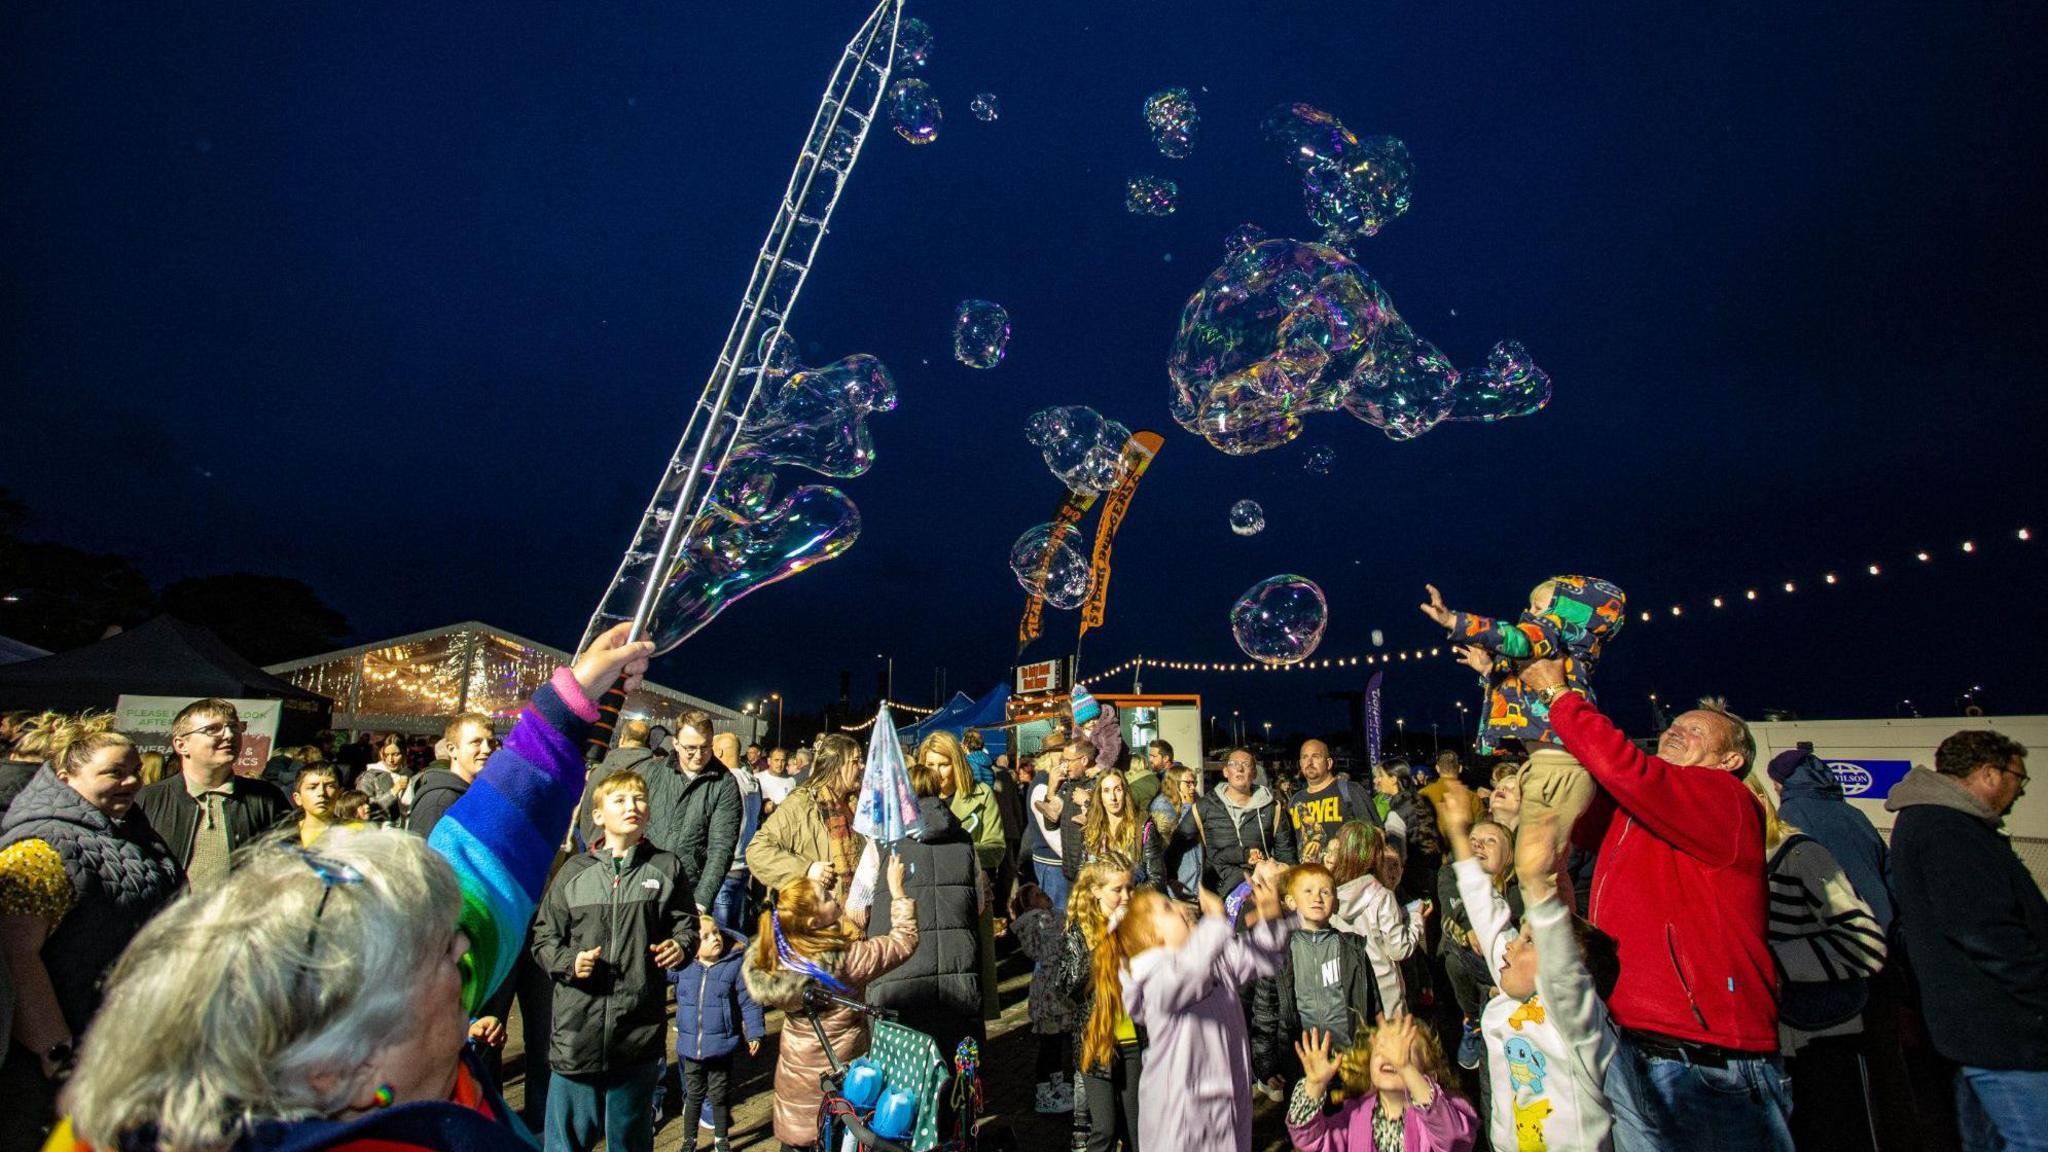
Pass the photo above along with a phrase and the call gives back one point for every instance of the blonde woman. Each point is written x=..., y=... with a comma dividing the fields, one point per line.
x=1178, y=828
x=79, y=877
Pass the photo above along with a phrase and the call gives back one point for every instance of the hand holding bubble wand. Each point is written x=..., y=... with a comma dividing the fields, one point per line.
x=714, y=529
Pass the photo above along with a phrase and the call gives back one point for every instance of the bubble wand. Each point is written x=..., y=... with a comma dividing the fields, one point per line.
x=660, y=547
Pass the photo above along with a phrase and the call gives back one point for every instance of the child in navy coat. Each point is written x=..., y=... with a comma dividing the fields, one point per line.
x=714, y=1013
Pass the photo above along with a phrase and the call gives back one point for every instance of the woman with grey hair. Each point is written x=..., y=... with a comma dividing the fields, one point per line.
x=321, y=999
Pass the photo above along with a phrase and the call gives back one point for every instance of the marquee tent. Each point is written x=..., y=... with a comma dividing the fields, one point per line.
x=165, y=657
x=413, y=683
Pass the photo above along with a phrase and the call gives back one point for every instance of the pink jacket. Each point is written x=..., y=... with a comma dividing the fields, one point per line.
x=1447, y=1125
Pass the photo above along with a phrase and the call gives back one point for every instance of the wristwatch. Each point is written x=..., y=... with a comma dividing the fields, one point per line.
x=1549, y=695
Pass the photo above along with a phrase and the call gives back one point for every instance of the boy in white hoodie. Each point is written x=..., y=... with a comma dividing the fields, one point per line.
x=1549, y=1038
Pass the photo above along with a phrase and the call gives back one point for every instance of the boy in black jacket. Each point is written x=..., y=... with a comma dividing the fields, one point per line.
x=1325, y=981
x=612, y=920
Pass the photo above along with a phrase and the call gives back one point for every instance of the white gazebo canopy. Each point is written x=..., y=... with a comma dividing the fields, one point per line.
x=414, y=683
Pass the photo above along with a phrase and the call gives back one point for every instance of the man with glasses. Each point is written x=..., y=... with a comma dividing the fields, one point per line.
x=205, y=812
x=694, y=810
x=1976, y=926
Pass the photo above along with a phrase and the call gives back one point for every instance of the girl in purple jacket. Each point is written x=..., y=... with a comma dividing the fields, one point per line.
x=1195, y=1092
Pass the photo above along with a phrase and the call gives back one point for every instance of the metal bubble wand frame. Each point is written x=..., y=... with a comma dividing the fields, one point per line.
x=845, y=114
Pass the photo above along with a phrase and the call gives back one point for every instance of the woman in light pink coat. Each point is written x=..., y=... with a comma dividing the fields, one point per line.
x=1195, y=1093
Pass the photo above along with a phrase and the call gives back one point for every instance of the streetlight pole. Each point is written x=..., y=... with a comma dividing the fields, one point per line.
x=888, y=684
x=777, y=697
x=1269, y=732
x=1236, y=728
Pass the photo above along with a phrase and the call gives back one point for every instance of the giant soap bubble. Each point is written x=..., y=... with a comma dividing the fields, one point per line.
x=915, y=111
x=1151, y=196
x=1081, y=446
x=981, y=333
x=1052, y=560
x=1280, y=619
x=1247, y=518
x=815, y=418
x=1510, y=385
x=1288, y=328
x=1173, y=119
x=1352, y=186
x=746, y=540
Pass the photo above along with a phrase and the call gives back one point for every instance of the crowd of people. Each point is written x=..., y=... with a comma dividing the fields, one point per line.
x=1572, y=943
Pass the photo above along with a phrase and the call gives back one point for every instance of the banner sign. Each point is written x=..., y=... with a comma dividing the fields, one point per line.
x=1372, y=720
x=1137, y=456
x=1044, y=676
x=147, y=721
x=1868, y=779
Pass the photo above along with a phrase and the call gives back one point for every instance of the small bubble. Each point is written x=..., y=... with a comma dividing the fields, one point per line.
x=1173, y=119
x=915, y=111
x=986, y=108
x=1247, y=518
x=981, y=333
x=913, y=45
x=1151, y=196
x=1320, y=460
x=1280, y=619
x=1052, y=560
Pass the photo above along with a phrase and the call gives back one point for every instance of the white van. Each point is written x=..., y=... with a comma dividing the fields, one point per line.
x=1869, y=756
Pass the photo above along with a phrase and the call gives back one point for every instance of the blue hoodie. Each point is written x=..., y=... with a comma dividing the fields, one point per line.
x=1812, y=800
x=713, y=1005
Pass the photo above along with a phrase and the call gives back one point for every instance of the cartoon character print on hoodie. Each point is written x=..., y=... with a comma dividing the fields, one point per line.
x=1584, y=614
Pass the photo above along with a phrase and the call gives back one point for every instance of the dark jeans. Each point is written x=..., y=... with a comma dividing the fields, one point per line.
x=709, y=1079
x=615, y=1105
x=729, y=908
x=1668, y=1104
x=536, y=995
x=1051, y=1062
x=1109, y=1104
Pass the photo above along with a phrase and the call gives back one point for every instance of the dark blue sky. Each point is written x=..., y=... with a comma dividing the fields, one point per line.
x=409, y=301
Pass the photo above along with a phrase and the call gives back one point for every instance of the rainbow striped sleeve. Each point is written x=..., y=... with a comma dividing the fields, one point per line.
x=501, y=836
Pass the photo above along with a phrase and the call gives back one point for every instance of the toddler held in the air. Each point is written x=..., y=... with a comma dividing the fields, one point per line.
x=1569, y=618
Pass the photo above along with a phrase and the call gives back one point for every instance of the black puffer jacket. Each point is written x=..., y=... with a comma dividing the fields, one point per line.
x=437, y=791
x=617, y=1016
x=1229, y=834
x=121, y=872
x=938, y=990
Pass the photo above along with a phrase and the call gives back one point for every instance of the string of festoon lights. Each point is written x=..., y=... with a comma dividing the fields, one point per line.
x=894, y=706
x=1750, y=593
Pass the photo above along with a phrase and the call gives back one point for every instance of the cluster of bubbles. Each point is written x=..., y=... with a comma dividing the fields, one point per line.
x=1353, y=186
x=1051, y=560
x=1173, y=119
x=1286, y=328
x=1081, y=446
x=749, y=534
x=913, y=45
x=981, y=333
x=986, y=108
x=1151, y=196
x=1280, y=619
x=1247, y=518
x=914, y=111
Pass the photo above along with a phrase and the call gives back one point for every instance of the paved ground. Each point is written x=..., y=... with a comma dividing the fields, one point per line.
x=1006, y=1063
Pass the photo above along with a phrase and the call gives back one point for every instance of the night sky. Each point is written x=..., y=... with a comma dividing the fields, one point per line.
x=409, y=302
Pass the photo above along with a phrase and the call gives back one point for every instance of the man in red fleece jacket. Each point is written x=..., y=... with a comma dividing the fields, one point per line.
x=1681, y=886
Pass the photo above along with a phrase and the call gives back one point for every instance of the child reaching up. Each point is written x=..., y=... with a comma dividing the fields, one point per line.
x=1568, y=616
x=1549, y=1039
x=1035, y=926
x=806, y=940
x=1395, y=1099
x=1325, y=981
x=1195, y=1092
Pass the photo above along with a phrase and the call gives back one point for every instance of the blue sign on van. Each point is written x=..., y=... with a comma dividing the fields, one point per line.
x=1869, y=779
